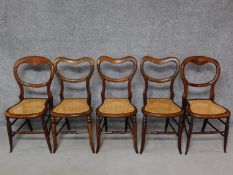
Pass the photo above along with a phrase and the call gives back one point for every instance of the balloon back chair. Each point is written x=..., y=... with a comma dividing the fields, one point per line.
x=116, y=107
x=72, y=107
x=30, y=108
x=161, y=107
x=205, y=109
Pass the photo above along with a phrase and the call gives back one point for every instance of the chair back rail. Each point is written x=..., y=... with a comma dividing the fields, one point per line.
x=34, y=60
x=148, y=78
x=63, y=79
x=199, y=60
x=105, y=78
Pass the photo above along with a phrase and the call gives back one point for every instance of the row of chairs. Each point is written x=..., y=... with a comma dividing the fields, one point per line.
x=29, y=108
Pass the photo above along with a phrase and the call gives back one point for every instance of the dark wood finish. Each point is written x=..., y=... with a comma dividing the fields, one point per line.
x=119, y=80
x=86, y=114
x=168, y=116
x=27, y=117
x=102, y=116
x=201, y=60
x=31, y=60
x=63, y=79
x=34, y=60
x=29, y=124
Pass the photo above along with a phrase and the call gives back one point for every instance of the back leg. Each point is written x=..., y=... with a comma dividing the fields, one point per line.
x=126, y=124
x=180, y=130
x=204, y=125
x=90, y=132
x=29, y=124
x=67, y=123
x=144, y=127
x=189, y=135
x=134, y=131
x=54, y=133
x=105, y=124
x=166, y=124
x=10, y=136
x=46, y=133
x=226, y=135
x=98, y=132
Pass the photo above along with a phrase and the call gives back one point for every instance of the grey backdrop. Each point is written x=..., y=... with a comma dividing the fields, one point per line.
x=76, y=28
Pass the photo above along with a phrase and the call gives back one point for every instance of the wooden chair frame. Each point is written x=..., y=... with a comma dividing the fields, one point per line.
x=86, y=114
x=101, y=122
x=147, y=114
x=31, y=60
x=202, y=60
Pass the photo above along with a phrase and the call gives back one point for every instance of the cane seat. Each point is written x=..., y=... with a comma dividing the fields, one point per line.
x=71, y=107
x=206, y=108
x=162, y=107
x=27, y=108
x=116, y=106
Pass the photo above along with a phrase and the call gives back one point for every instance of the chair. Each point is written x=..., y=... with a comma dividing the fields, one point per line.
x=161, y=107
x=206, y=109
x=30, y=108
x=116, y=107
x=72, y=107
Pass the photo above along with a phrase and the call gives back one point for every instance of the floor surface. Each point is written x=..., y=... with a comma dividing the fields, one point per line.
x=31, y=156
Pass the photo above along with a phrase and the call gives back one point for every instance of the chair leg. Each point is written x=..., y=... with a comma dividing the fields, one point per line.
x=134, y=131
x=144, y=127
x=46, y=132
x=29, y=124
x=204, y=125
x=189, y=135
x=54, y=133
x=126, y=124
x=67, y=123
x=90, y=132
x=180, y=130
x=98, y=134
x=105, y=124
x=9, y=131
x=226, y=135
x=166, y=124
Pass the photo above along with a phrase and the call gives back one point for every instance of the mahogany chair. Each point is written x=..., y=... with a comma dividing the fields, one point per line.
x=72, y=107
x=161, y=107
x=206, y=109
x=116, y=108
x=30, y=108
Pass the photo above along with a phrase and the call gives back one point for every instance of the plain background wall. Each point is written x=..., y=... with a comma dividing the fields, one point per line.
x=117, y=28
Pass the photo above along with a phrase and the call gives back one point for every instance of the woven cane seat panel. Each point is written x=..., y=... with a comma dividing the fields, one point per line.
x=205, y=107
x=116, y=106
x=72, y=106
x=162, y=106
x=28, y=106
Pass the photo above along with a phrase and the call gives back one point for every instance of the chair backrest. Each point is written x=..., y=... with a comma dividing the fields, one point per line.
x=105, y=78
x=34, y=60
x=148, y=78
x=199, y=60
x=63, y=79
